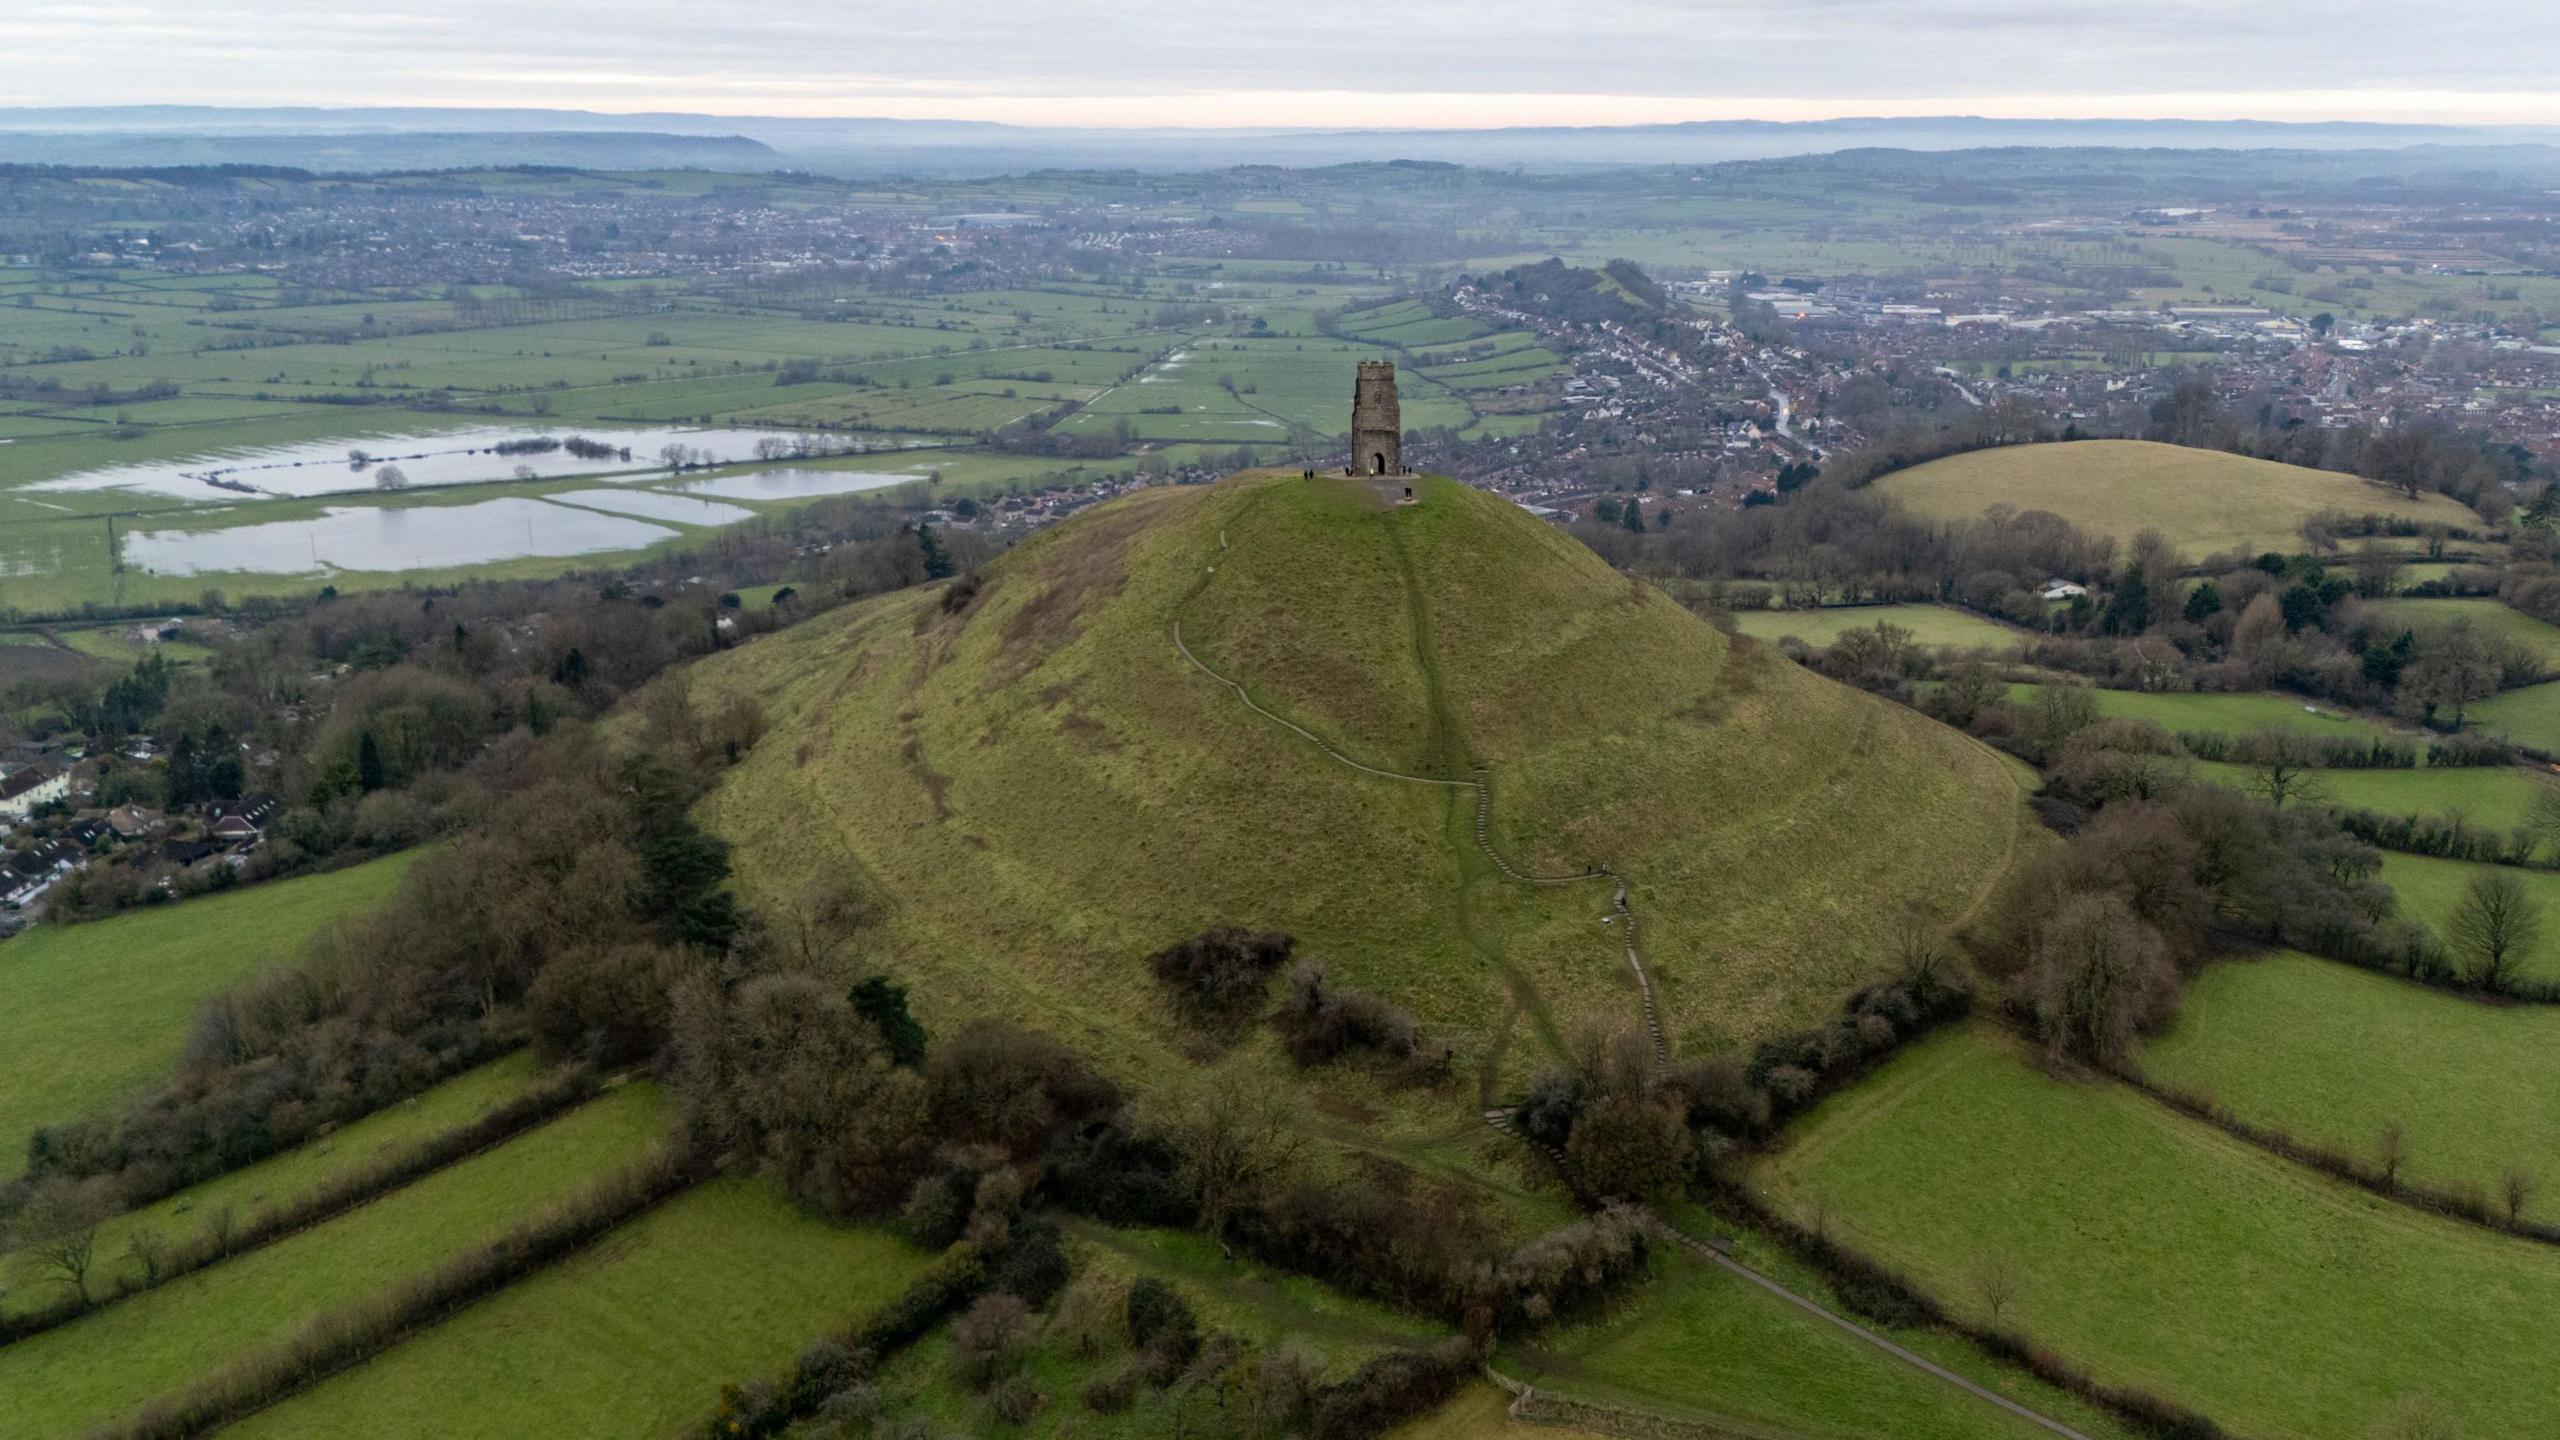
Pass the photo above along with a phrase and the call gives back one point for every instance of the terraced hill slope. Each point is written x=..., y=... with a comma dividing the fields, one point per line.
x=1037, y=787
x=2203, y=500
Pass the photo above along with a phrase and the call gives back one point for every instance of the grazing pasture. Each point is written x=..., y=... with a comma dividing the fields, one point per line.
x=2159, y=1252
x=1935, y=625
x=2332, y=1055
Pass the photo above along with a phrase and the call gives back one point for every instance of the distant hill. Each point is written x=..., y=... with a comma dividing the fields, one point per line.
x=858, y=145
x=2203, y=500
x=1033, y=790
x=374, y=151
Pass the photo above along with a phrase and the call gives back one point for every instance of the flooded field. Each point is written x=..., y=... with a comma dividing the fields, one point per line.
x=800, y=484
x=450, y=457
x=655, y=505
x=373, y=537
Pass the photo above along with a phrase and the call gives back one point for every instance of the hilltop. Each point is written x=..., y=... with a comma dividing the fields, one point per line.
x=2203, y=500
x=1033, y=789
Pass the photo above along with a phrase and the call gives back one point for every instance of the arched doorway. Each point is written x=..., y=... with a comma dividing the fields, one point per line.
x=1378, y=464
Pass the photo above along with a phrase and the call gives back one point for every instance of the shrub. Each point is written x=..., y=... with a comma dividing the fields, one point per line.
x=1218, y=976
x=987, y=1341
x=1391, y=1389
x=1320, y=1021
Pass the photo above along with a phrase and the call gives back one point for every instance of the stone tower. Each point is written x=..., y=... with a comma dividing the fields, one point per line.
x=1377, y=429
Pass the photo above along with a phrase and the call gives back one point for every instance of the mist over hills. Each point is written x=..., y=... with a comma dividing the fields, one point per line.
x=393, y=137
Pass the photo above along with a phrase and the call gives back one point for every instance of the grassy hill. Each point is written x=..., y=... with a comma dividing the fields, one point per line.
x=2203, y=500
x=1038, y=789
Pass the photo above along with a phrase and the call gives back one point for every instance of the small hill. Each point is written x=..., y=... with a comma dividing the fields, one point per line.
x=2203, y=500
x=1036, y=789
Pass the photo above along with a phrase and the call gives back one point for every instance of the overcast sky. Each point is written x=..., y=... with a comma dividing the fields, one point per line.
x=1309, y=62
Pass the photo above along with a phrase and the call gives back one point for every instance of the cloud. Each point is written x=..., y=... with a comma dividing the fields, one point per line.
x=1222, y=61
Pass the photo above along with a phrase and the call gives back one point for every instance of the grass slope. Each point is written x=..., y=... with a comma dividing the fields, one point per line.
x=92, y=1013
x=64, y=1381
x=2161, y=1253
x=2203, y=500
x=1928, y=624
x=2537, y=639
x=2431, y=890
x=1042, y=791
x=2332, y=1054
x=633, y=1336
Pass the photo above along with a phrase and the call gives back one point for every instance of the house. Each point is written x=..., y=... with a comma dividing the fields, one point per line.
x=131, y=821
x=141, y=748
x=183, y=853
x=38, y=784
x=2063, y=590
x=88, y=834
x=242, y=819
x=29, y=873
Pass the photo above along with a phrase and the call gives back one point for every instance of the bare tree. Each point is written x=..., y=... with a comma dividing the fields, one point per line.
x=2284, y=766
x=1997, y=1278
x=2517, y=1186
x=1231, y=1132
x=2391, y=1151
x=58, y=1231
x=2495, y=925
x=390, y=477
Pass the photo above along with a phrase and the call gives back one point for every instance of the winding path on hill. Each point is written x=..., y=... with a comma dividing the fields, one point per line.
x=1501, y=1120
x=1480, y=783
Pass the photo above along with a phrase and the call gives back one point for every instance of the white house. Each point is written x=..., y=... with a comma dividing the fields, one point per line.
x=36, y=785
x=2063, y=590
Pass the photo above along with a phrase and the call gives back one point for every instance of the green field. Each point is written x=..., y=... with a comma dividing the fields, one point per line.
x=2227, y=714
x=2159, y=1252
x=1929, y=625
x=2431, y=890
x=2204, y=501
x=2332, y=1054
x=1018, y=793
x=2529, y=716
x=2536, y=638
x=119, y=1358
x=1703, y=1345
x=2492, y=797
x=630, y=1337
x=92, y=1013
x=296, y=1172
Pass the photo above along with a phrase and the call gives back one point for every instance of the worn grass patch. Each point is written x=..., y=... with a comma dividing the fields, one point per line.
x=2160, y=1253
x=2204, y=501
x=2332, y=1054
x=92, y=1013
